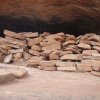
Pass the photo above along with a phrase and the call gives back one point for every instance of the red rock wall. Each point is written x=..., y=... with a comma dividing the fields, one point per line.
x=48, y=10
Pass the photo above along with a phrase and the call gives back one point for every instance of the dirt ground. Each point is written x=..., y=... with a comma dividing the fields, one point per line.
x=44, y=85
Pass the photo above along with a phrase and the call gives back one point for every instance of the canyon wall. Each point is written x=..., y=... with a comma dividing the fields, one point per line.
x=74, y=16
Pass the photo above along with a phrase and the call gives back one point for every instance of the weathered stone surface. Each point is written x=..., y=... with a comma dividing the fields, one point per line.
x=14, y=34
x=48, y=63
x=16, y=51
x=87, y=57
x=84, y=67
x=8, y=58
x=31, y=35
x=60, y=38
x=69, y=69
x=89, y=52
x=65, y=64
x=50, y=68
x=94, y=38
x=93, y=43
x=84, y=46
x=96, y=56
x=18, y=55
x=26, y=55
x=90, y=61
x=96, y=48
x=10, y=33
x=17, y=72
x=54, y=56
x=34, y=61
x=35, y=41
x=36, y=47
x=52, y=46
x=5, y=47
x=34, y=52
x=71, y=57
x=6, y=76
x=8, y=42
x=96, y=63
x=69, y=42
x=70, y=37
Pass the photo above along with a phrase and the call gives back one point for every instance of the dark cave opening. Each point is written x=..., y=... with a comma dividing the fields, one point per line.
x=76, y=27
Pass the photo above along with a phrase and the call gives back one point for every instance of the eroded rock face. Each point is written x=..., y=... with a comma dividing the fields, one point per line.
x=50, y=15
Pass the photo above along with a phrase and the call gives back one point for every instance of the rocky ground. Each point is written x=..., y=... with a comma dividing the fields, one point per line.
x=45, y=85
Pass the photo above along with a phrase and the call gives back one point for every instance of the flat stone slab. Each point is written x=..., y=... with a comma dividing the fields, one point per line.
x=6, y=76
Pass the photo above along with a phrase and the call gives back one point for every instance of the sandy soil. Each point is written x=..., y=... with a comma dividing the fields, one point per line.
x=44, y=85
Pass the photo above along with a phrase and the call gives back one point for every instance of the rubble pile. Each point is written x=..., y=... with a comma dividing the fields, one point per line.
x=52, y=52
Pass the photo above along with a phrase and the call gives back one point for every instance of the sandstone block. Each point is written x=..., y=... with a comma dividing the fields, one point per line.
x=36, y=48
x=54, y=56
x=89, y=52
x=10, y=33
x=34, y=52
x=31, y=35
x=87, y=61
x=44, y=34
x=68, y=69
x=60, y=38
x=95, y=38
x=5, y=47
x=35, y=41
x=70, y=37
x=34, y=61
x=93, y=43
x=26, y=55
x=20, y=36
x=8, y=58
x=65, y=64
x=17, y=55
x=50, y=68
x=84, y=46
x=6, y=76
x=96, y=48
x=52, y=46
x=48, y=63
x=69, y=42
x=96, y=56
x=87, y=57
x=71, y=57
x=14, y=34
x=96, y=63
x=84, y=67
x=16, y=51
x=17, y=72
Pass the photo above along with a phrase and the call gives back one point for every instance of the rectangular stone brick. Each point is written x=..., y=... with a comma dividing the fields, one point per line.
x=96, y=63
x=65, y=64
x=89, y=52
x=96, y=56
x=72, y=57
x=69, y=69
x=53, y=68
x=84, y=67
